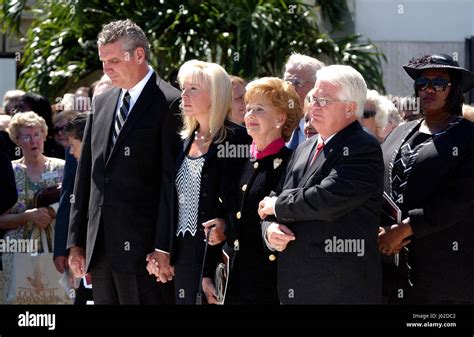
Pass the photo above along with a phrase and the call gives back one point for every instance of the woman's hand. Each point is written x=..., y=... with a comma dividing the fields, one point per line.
x=209, y=290
x=39, y=216
x=216, y=226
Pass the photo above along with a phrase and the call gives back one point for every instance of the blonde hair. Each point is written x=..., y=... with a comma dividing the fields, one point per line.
x=282, y=96
x=27, y=119
x=213, y=77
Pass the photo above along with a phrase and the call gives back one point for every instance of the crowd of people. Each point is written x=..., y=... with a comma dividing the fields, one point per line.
x=227, y=191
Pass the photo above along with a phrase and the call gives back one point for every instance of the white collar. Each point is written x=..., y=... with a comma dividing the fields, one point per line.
x=137, y=89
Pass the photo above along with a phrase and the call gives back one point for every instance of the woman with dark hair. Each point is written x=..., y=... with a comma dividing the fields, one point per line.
x=40, y=105
x=429, y=174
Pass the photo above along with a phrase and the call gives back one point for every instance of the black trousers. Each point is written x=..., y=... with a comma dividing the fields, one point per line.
x=111, y=287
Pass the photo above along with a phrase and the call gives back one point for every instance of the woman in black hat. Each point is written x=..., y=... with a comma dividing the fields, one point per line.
x=429, y=173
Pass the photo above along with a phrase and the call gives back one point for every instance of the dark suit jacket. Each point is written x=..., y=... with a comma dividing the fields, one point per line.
x=120, y=188
x=337, y=198
x=439, y=201
x=62, y=218
x=8, y=195
x=216, y=177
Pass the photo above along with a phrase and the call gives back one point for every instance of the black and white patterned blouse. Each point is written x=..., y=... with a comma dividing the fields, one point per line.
x=188, y=186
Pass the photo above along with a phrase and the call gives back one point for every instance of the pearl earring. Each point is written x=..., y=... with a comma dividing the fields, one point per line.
x=278, y=126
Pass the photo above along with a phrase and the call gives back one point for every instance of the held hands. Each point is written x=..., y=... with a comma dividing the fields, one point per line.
x=77, y=261
x=60, y=262
x=278, y=236
x=392, y=240
x=216, y=226
x=266, y=207
x=209, y=290
x=159, y=265
x=40, y=216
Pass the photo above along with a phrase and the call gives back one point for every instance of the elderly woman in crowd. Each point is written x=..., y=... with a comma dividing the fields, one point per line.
x=238, y=104
x=33, y=172
x=374, y=117
x=270, y=121
x=429, y=173
x=59, y=123
x=204, y=172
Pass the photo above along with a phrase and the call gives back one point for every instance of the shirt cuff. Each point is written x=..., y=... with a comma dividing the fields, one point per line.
x=162, y=251
x=268, y=243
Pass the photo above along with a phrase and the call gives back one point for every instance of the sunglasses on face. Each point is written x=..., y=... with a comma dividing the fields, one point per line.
x=297, y=83
x=58, y=129
x=369, y=114
x=438, y=84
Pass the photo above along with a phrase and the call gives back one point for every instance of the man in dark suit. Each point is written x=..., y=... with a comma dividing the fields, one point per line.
x=127, y=162
x=8, y=196
x=325, y=220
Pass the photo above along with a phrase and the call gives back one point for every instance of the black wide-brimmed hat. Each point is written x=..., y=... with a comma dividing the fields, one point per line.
x=416, y=65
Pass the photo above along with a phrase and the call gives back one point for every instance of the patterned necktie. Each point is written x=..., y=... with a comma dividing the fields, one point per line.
x=319, y=147
x=121, y=117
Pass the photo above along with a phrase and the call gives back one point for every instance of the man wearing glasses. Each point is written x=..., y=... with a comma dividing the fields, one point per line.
x=324, y=222
x=300, y=70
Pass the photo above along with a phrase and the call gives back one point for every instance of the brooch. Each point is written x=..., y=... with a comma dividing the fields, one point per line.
x=276, y=162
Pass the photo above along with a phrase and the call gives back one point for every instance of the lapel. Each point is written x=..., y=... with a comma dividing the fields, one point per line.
x=328, y=149
x=105, y=118
x=146, y=98
x=396, y=149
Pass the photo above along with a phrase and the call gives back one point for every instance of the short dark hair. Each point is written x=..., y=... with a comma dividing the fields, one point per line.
x=36, y=103
x=75, y=127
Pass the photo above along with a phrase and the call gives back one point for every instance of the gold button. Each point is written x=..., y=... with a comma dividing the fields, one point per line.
x=272, y=257
x=244, y=188
x=238, y=215
x=255, y=165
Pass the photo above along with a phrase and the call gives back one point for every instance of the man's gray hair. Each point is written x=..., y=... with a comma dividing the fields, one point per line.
x=300, y=61
x=129, y=32
x=351, y=82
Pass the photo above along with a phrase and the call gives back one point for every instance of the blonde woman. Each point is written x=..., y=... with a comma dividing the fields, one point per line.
x=204, y=173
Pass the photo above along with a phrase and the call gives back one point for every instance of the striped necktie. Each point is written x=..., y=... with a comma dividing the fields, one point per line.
x=121, y=116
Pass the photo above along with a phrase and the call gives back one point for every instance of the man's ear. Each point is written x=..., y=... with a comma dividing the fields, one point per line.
x=351, y=109
x=140, y=55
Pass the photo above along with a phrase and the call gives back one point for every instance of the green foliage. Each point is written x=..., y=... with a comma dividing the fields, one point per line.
x=250, y=38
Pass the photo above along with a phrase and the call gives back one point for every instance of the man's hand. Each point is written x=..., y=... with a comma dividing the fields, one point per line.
x=159, y=265
x=209, y=290
x=266, y=207
x=216, y=226
x=391, y=241
x=77, y=261
x=60, y=262
x=278, y=236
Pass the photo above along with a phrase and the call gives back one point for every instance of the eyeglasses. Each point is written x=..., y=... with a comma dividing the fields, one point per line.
x=322, y=102
x=369, y=113
x=438, y=84
x=297, y=83
x=27, y=138
x=57, y=129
